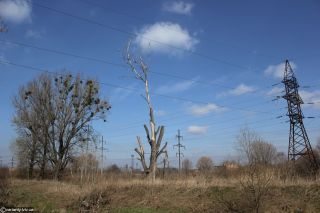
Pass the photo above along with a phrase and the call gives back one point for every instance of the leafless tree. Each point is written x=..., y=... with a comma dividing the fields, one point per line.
x=85, y=162
x=263, y=153
x=154, y=134
x=255, y=186
x=254, y=150
x=281, y=158
x=186, y=166
x=4, y=186
x=31, y=120
x=245, y=139
x=21, y=149
x=114, y=168
x=205, y=164
x=53, y=113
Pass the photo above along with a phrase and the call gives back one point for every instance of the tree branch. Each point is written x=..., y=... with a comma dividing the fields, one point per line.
x=129, y=62
x=163, y=150
x=147, y=132
x=140, y=152
x=160, y=136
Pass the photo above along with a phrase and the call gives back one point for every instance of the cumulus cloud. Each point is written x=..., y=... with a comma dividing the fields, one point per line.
x=197, y=130
x=311, y=97
x=176, y=87
x=275, y=91
x=16, y=11
x=165, y=37
x=178, y=7
x=239, y=90
x=201, y=110
x=277, y=71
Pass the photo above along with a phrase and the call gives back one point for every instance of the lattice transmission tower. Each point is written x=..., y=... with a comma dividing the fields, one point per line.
x=299, y=144
x=179, y=145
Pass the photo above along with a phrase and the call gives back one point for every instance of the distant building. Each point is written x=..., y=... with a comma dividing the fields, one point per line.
x=230, y=165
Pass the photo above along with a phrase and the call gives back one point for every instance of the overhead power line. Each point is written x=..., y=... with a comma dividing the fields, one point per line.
x=90, y=21
x=189, y=120
x=141, y=18
x=124, y=66
x=131, y=89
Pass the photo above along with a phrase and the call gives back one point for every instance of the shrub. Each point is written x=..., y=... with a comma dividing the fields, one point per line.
x=4, y=186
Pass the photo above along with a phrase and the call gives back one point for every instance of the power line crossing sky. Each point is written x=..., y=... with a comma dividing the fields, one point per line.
x=212, y=66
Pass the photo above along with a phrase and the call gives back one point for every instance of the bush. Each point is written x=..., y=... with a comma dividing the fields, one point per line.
x=4, y=186
x=93, y=202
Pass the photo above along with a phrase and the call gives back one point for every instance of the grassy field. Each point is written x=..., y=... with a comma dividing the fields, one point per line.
x=140, y=196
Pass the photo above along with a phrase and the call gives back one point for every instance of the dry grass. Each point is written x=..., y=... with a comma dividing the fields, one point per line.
x=192, y=194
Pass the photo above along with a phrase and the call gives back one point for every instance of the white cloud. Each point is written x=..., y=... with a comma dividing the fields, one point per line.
x=34, y=34
x=201, y=110
x=311, y=97
x=275, y=91
x=178, y=7
x=165, y=37
x=197, y=130
x=239, y=90
x=16, y=11
x=277, y=71
x=176, y=87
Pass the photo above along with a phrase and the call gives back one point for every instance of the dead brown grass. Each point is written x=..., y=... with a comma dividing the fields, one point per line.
x=192, y=194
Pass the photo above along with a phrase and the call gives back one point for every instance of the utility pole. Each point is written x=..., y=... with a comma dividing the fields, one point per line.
x=179, y=145
x=12, y=163
x=102, y=153
x=165, y=161
x=132, y=163
x=299, y=144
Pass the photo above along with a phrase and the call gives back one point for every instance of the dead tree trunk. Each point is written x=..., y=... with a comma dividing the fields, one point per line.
x=154, y=136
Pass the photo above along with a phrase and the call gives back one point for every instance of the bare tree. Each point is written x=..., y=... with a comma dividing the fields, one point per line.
x=154, y=134
x=255, y=186
x=205, y=164
x=114, y=168
x=281, y=158
x=4, y=186
x=86, y=162
x=245, y=139
x=254, y=150
x=21, y=149
x=186, y=166
x=31, y=119
x=263, y=153
x=54, y=114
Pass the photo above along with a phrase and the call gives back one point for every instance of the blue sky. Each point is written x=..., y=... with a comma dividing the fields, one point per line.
x=212, y=63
